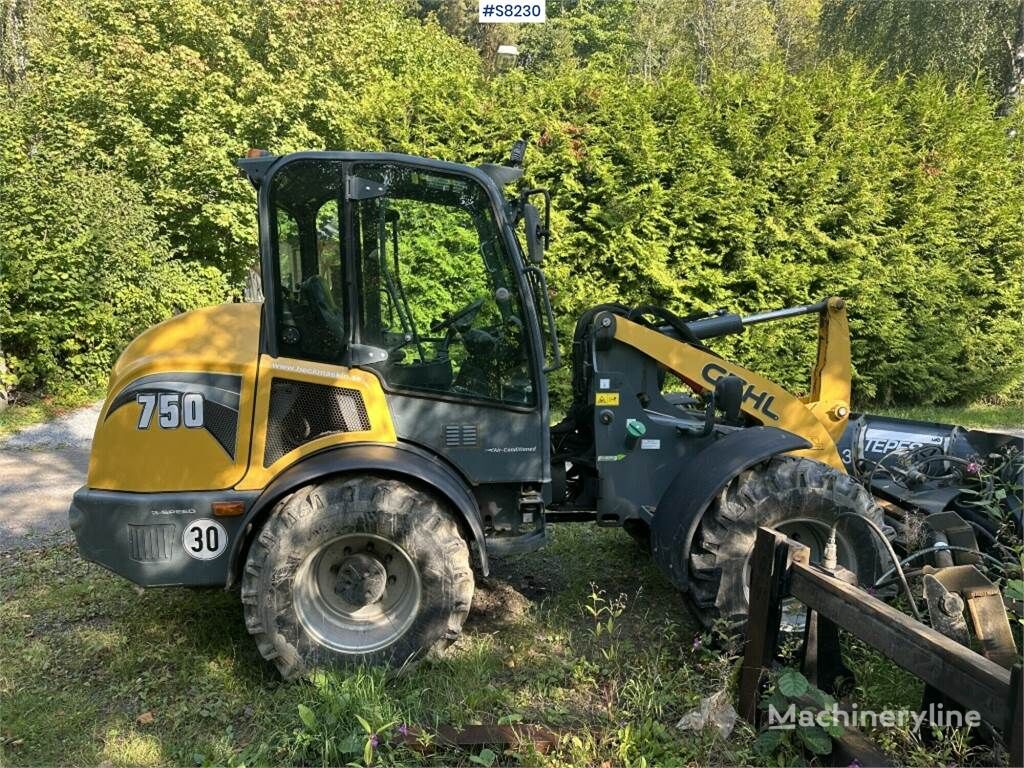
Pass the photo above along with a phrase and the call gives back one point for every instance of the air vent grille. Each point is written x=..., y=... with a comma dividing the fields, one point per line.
x=301, y=412
x=460, y=435
x=150, y=543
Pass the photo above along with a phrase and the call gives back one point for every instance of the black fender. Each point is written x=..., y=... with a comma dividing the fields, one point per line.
x=682, y=505
x=417, y=466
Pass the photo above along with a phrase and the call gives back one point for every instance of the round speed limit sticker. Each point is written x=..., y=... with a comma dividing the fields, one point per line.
x=204, y=539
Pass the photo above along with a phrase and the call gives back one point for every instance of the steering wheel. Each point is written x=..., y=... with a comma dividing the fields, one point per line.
x=467, y=313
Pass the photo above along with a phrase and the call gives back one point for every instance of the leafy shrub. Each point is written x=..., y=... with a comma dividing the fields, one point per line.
x=756, y=190
x=83, y=271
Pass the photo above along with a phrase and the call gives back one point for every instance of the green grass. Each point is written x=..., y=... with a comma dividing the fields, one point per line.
x=33, y=410
x=978, y=415
x=83, y=654
x=584, y=637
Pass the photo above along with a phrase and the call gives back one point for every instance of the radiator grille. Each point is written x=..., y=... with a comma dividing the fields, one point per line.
x=301, y=412
x=150, y=543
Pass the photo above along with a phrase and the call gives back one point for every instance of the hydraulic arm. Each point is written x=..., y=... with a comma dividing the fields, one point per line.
x=820, y=417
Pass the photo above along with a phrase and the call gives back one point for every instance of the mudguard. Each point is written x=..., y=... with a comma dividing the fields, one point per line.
x=405, y=461
x=681, y=507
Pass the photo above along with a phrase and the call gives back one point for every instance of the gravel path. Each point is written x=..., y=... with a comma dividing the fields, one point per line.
x=40, y=468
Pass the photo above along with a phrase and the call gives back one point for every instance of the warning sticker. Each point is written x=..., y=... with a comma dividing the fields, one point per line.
x=604, y=383
x=650, y=445
x=607, y=398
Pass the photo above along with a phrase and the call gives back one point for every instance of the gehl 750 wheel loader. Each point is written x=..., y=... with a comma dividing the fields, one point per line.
x=349, y=451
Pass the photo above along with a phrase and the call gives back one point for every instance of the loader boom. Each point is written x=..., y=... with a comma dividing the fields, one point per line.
x=820, y=417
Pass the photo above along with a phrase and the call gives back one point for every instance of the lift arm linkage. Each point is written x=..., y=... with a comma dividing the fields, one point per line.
x=820, y=417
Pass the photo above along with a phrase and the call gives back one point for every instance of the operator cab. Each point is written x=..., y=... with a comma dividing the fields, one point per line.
x=422, y=242
x=411, y=269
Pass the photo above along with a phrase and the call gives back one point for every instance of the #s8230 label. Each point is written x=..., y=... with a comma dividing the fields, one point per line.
x=512, y=12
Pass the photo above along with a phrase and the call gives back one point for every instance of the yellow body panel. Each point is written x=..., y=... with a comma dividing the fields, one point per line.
x=381, y=430
x=223, y=340
x=820, y=418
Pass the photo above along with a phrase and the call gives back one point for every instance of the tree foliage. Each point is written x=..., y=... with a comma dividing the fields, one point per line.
x=748, y=181
x=768, y=189
x=963, y=39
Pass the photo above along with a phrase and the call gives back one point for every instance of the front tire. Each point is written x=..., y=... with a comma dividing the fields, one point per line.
x=798, y=497
x=357, y=569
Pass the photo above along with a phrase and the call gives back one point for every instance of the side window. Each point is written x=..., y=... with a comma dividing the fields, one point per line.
x=306, y=199
x=436, y=288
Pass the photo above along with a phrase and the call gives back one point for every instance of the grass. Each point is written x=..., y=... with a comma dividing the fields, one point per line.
x=977, y=415
x=584, y=637
x=93, y=671
x=34, y=410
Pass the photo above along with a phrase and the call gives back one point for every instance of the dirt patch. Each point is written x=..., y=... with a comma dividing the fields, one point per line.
x=496, y=603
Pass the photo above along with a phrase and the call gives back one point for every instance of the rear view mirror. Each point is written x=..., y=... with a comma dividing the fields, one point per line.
x=534, y=236
x=729, y=397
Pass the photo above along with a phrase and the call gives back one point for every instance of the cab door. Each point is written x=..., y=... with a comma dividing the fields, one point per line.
x=440, y=284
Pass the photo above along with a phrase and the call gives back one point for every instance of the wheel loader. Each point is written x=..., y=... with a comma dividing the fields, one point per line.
x=350, y=451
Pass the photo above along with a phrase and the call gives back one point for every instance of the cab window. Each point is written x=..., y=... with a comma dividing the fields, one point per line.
x=436, y=289
x=306, y=199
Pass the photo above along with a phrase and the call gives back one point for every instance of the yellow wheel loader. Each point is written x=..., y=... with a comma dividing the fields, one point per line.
x=350, y=451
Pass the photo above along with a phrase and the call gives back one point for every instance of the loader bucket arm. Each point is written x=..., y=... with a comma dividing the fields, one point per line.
x=829, y=398
x=820, y=418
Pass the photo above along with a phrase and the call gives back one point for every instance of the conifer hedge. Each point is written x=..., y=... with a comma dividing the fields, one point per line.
x=119, y=203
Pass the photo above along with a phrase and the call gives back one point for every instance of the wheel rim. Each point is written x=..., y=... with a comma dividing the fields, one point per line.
x=810, y=534
x=813, y=534
x=357, y=593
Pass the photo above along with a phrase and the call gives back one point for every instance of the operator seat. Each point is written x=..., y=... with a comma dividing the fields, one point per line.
x=322, y=303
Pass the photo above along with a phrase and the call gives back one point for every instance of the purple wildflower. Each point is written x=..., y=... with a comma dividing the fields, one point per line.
x=373, y=740
x=696, y=642
x=403, y=729
x=974, y=468
x=854, y=764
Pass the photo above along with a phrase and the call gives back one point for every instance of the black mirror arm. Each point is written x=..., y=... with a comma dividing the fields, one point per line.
x=544, y=230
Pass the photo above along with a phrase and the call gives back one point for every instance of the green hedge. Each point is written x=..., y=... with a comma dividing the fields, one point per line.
x=771, y=189
x=755, y=191
x=83, y=271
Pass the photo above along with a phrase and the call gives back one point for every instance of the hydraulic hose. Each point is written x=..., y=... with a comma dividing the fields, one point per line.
x=830, y=560
x=938, y=548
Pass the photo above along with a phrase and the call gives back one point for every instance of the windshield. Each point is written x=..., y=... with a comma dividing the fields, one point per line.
x=436, y=286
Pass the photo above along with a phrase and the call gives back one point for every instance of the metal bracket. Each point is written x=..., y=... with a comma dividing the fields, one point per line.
x=950, y=528
x=950, y=590
x=364, y=189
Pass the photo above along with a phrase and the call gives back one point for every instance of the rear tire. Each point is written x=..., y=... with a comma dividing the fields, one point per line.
x=799, y=497
x=356, y=569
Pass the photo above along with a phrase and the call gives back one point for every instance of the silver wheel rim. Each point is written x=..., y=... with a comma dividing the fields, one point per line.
x=812, y=534
x=357, y=593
